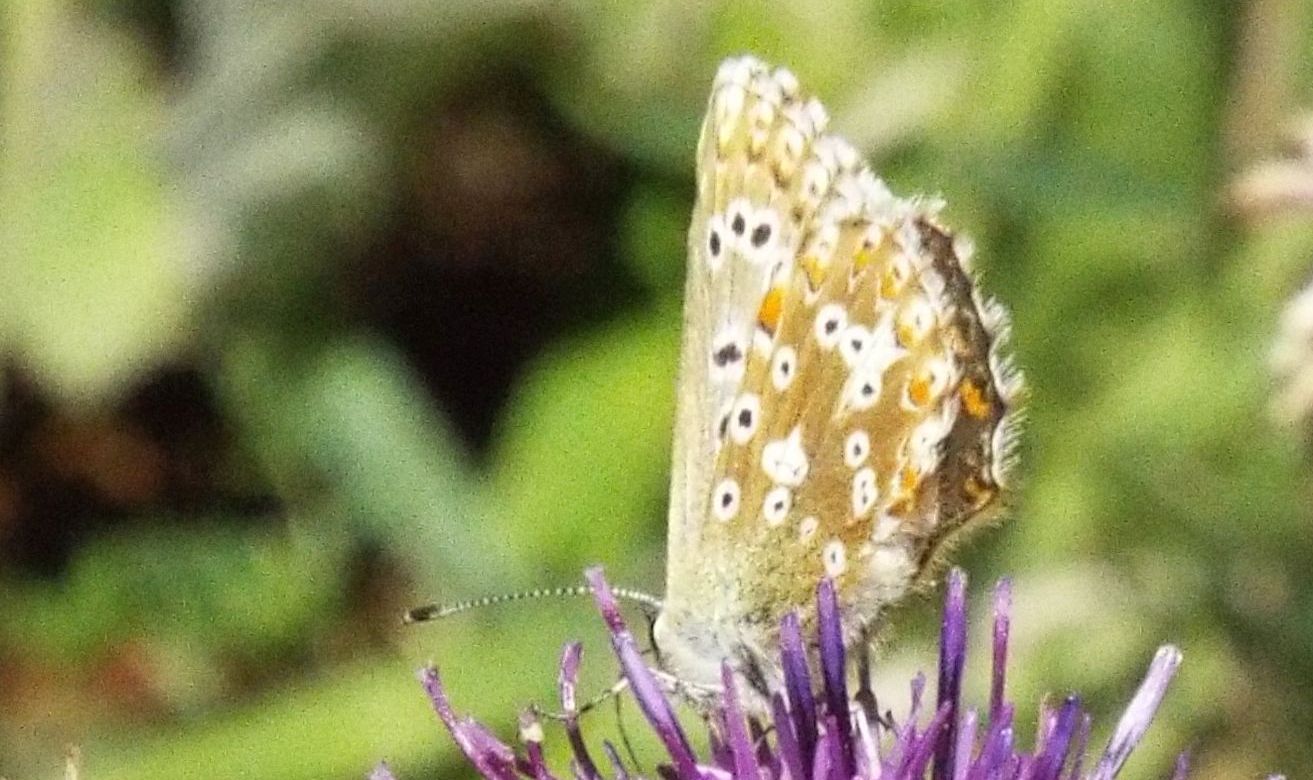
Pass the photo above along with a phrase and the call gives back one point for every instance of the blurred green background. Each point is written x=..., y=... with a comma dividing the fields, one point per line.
x=311, y=311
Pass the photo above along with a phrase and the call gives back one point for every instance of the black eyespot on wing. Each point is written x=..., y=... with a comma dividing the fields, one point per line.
x=738, y=225
x=760, y=235
x=730, y=353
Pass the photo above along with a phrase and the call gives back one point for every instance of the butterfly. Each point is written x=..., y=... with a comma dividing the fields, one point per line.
x=845, y=405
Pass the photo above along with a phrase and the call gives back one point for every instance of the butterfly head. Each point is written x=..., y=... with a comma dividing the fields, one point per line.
x=845, y=405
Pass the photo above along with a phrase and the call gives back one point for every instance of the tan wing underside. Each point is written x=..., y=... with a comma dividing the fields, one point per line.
x=890, y=430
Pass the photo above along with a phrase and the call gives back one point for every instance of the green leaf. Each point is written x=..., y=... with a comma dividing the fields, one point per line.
x=581, y=463
x=95, y=290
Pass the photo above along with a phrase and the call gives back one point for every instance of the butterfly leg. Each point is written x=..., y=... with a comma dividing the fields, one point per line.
x=613, y=692
x=865, y=697
x=703, y=697
x=624, y=737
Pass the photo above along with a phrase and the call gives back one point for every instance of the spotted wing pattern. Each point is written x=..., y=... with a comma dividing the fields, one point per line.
x=844, y=403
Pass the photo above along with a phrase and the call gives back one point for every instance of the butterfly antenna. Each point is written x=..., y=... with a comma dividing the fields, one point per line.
x=439, y=611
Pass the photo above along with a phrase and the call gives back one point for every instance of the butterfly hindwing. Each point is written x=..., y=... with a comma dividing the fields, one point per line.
x=844, y=407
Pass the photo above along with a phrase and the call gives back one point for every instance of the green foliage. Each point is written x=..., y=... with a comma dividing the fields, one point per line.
x=78, y=171
x=217, y=217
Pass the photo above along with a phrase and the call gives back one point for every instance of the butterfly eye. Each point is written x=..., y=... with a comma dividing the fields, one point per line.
x=777, y=505
x=725, y=500
x=830, y=322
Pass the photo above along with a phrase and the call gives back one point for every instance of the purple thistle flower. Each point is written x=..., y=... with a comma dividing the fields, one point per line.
x=952, y=660
x=827, y=737
x=568, y=677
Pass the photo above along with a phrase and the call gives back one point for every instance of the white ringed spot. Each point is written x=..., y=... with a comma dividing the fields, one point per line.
x=783, y=367
x=865, y=492
x=856, y=449
x=775, y=508
x=830, y=322
x=725, y=500
x=744, y=418
x=853, y=344
x=835, y=558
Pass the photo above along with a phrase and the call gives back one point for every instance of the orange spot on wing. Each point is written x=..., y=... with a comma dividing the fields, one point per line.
x=973, y=400
x=918, y=390
x=768, y=316
x=908, y=479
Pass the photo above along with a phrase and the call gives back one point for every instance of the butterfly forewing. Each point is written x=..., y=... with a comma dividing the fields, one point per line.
x=843, y=405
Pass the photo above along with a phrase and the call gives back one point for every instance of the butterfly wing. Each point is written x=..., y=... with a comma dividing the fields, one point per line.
x=843, y=406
